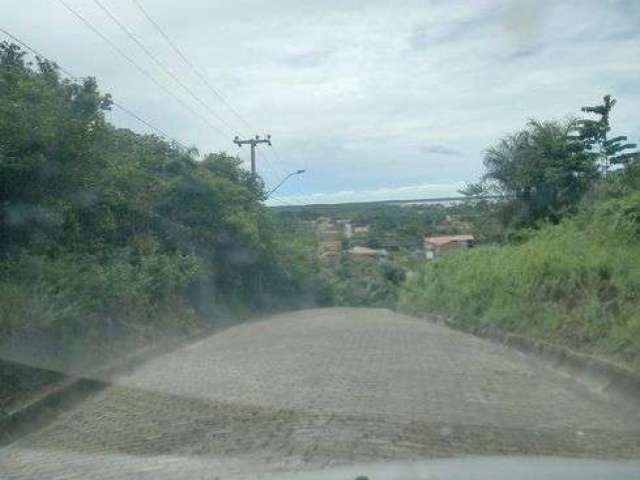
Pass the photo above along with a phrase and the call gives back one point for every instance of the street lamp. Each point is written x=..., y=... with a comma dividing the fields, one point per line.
x=297, y=172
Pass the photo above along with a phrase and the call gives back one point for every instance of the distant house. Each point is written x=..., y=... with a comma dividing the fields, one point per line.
x=361, y=253
x=360, y=230
x=327, y=229
x=329, y=249
x=394, y=243
x=437, y=246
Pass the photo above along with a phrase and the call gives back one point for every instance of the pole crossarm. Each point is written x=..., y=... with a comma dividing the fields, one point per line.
x=253, y=142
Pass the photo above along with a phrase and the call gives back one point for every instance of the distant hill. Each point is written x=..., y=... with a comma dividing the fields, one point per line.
x=411, y=202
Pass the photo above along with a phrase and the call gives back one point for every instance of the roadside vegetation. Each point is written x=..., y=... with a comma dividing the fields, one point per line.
x=112, y=240
x=362, y=283
x=561, y=261
x=109, y=238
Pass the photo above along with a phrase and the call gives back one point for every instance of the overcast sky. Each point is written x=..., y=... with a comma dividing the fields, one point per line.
x=375, y=99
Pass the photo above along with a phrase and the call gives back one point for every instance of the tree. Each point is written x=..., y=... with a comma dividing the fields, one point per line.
x=48, y=129
x=594, y=135
x=542, y=168
x=140, y=221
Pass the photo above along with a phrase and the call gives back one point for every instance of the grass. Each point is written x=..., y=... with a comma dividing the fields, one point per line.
x=576, y=284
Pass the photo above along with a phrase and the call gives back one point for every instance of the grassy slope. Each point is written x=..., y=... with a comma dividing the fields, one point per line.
x=576, y=284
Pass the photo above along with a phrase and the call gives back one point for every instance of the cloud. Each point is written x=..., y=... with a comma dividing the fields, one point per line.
x=367, y=96
x=308, y=58
x=432, y=34
x=442, y=150
x=524, y=53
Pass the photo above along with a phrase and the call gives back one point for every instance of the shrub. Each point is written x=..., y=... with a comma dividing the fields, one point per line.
x=576, y=284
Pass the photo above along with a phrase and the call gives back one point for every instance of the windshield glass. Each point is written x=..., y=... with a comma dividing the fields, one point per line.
x=332, y=238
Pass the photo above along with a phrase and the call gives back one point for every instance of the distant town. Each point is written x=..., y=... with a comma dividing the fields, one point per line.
x=423, y=228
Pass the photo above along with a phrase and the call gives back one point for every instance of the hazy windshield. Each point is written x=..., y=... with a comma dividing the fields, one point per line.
x=249, y=238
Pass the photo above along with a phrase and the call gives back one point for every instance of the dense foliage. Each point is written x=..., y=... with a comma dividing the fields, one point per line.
x=362, y=283
x=594, y=135
x=388, y=223
x=569, y=273
x=105, y=233
x=542, y=169
x=575, y=283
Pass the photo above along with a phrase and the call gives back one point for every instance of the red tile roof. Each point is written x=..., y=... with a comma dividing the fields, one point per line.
x=441, y=241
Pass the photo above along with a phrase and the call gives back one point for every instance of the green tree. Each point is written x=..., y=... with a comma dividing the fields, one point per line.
x=595, y=136
x=542, y=169
x=103, y=229
x=48, y=129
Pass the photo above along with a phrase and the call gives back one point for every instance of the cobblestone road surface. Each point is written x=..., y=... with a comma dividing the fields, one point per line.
x=315, y=388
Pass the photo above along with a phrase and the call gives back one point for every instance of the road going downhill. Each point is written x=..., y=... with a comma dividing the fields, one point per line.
x=323, y=387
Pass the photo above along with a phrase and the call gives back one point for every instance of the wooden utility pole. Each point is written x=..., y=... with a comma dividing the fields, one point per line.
x=253, y=142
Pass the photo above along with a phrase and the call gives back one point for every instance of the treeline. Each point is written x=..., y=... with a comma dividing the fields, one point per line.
x=547, y=167
x=401, y=223
x=564, y=263
x=107, y=234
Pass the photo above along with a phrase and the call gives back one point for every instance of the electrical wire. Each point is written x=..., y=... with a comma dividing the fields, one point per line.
x=283, y=202
x=162, y=66
x=296, y=181
x=278, y=161
x=190, y=64
x=138, y=67
x=267, y=167
x=73, y=77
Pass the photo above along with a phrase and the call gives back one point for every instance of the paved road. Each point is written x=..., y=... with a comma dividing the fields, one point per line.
x=317, y=388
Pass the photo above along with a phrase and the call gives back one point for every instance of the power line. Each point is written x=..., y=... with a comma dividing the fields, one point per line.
x=284, y=202
x=123, y=108
x=253, y=142
x=144, y=122
x=277, y=167
x=202, y=77
x=266, y=161
x=274, y=176
x=266, y=166
x=278, y=175
x=296, y=186
x=160, y=64
x=278, y=161
x=73, y=77
x=184, y=58
x=138, y=67
x=37, y=53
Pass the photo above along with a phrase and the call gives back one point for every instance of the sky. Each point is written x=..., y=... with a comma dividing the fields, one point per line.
x=374, y=99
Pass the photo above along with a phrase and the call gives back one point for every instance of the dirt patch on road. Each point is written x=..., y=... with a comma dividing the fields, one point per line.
x=139, y=423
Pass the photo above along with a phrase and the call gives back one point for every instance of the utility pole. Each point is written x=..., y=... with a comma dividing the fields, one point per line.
x=253, y=142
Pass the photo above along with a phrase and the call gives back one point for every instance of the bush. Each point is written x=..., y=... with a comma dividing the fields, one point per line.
x=73, y=301
x=618, y=218
x=575, y=284
x=108, y=234
x=364, y=283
